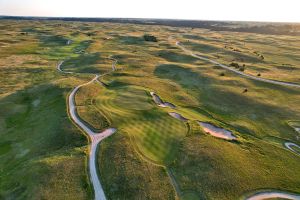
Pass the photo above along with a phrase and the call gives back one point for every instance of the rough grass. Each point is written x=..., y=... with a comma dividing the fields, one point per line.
x=30, y=141
x=280, y=52
x=212, y=167
x=40, y=145
x=123, y=172
x=42, y=153
x=87, y=110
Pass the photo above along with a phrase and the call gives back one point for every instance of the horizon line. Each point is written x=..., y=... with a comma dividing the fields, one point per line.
x=144, y=18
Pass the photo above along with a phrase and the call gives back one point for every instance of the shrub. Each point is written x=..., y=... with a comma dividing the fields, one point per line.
x=233, y=64
x=150, y=38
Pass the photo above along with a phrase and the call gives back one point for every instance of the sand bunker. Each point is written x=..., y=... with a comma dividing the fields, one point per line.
x=178, y=116
x=290, y=146
x=275, y=194
x=36, y=102
x=69, y=42
x=216, y=131
x=160, y=102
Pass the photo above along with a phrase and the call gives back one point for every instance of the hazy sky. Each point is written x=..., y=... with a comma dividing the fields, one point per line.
x=245, y=10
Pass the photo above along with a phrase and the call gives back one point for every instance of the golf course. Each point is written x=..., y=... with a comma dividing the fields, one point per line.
x=136, y=110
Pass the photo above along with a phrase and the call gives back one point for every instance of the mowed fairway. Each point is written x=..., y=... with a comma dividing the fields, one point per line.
x=152, y=155
x=155, y=134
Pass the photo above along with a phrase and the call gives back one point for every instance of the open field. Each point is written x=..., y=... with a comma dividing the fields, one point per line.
x=152, y=155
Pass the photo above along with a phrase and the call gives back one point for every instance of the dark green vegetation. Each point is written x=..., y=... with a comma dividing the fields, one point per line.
x=40, y=144
x=150, y=38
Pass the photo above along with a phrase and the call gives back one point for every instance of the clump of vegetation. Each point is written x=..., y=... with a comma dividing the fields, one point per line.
x=233, y=64
x=262, y=57
x=259, y=55
x=150, y=38
x=242, y=68
x=237, y=66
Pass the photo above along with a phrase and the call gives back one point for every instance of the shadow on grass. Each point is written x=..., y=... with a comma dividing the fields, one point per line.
x=31, y=132
x=131, y=40
x=225, y=104
x=177, y=57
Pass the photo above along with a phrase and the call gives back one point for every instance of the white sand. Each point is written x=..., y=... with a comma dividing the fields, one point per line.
x=36, y=102
x=216, y=131
x=269, y=195
x=69, y=42
x=289, y=145
x=178, y=116
x=160, y=102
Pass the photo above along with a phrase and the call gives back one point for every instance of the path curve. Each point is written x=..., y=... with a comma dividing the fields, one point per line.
x=289, y=146
x=95, y=138
x=235, y=70
x=273, y=194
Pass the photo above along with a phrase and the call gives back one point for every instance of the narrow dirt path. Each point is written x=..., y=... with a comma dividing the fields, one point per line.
x=95, y=138
x=235, y=70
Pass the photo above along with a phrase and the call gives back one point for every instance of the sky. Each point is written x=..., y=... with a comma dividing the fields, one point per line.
x=236, y=10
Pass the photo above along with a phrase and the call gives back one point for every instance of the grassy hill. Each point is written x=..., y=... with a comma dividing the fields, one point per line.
x=152, y=155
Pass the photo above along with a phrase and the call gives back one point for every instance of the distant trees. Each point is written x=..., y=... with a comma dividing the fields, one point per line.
x=150, y=38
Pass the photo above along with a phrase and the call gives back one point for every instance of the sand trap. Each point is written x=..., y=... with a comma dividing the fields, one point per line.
x=36, y=102
x=269, y=195
x=178, y=116
x=69, y=42
x=216, y=131
x=289, y=145
x=170, y=105
x=160, y=102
